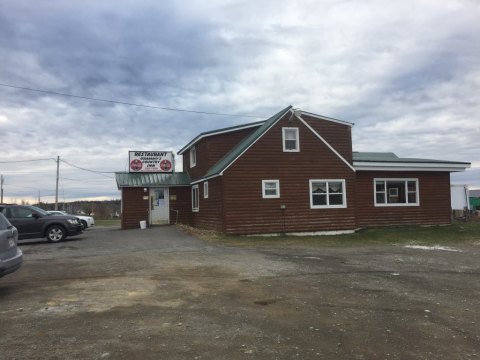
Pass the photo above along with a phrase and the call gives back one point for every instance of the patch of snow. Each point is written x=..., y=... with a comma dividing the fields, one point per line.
x=435, y=247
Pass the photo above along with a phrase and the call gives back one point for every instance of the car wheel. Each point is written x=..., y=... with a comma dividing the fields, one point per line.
x=85, y=225
x=56, y=233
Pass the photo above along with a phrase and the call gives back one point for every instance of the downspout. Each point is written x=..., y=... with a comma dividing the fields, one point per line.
x=467, y=199
x=222, y=188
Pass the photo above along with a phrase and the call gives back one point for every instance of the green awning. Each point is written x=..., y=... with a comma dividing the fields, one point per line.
x=125, y=179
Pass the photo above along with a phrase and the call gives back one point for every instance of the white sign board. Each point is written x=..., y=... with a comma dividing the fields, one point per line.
x=150, y=161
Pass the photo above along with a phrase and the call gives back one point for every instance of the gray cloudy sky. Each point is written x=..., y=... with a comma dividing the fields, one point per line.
x=407, y=73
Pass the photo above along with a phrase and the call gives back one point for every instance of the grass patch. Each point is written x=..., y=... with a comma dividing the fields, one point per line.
x=457, y=233
x=110, y=222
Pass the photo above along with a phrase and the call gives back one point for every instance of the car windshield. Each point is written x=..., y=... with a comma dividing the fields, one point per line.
x=37, y=209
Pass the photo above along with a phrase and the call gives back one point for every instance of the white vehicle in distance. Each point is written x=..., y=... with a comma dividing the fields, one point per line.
x=87, y=221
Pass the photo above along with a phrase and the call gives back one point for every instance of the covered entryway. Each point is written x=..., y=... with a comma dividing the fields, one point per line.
x=159, y=206
x=154, y=197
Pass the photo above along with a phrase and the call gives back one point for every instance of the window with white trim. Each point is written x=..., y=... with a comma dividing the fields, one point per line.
x=205, y=190
x=396, y=192
x=270, y=189
x=193, y=156
x=291, y=142
x=195, y=198
x=327, y=194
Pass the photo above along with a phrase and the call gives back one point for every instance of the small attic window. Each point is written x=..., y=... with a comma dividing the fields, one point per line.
x=291, y=141
x=193, y=157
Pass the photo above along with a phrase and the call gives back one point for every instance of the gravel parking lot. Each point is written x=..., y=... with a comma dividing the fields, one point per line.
x=161, y=294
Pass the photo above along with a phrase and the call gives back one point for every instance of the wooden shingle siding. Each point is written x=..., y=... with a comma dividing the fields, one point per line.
x=434, y=191
x=211, y=149
x=182, y=204
x=210, y=214
x=246, y=212
x=135, y=209
x=337, y=135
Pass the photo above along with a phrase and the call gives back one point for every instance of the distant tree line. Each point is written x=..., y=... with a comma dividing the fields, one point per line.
x=107, y=209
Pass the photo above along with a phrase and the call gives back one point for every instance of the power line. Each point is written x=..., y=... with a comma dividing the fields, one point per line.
x=82, y=180
x=64, y=161
x=93, y=181
x=93, y=171
x=22, y=187
x=21, y=161
x=129, y=103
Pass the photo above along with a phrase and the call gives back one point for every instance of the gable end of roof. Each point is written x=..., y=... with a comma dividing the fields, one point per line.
x=217, y=132
x=321, y=117
x=237, y=151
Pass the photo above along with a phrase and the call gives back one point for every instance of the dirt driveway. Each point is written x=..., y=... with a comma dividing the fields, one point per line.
x=160, y=294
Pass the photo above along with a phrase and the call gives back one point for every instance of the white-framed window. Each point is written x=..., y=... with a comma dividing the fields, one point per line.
x=291, y=142
x=205, y=190
x=396, y=192
x=195, y=198
x=193, y=156
x=328, y=194
x=270, y=189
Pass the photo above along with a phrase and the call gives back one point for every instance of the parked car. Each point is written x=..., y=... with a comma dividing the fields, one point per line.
x=11, y=256
x=87, y=221
x=33, y=222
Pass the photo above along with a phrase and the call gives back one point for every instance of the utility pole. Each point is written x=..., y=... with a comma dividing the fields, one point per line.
x=1, y=189
x=56, y=187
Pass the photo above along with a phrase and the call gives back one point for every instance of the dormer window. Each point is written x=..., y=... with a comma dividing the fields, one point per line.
x=193, y=157
x=291, y=141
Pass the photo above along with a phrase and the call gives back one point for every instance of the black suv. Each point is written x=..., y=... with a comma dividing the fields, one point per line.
x=33, y=222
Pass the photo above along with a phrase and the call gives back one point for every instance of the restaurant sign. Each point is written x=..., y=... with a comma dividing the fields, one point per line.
x=150, y=161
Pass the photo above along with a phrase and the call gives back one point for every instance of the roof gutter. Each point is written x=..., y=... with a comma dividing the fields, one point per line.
x=205, y=179
x=410, y=166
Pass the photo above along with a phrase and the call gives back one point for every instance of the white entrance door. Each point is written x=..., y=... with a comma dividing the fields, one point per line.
x=159, y=206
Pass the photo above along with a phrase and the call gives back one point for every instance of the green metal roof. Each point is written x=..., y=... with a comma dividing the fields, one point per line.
x=219, y=131
x=224, y=162
x=374, y=156
x=390, y=157
x=125, y=179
